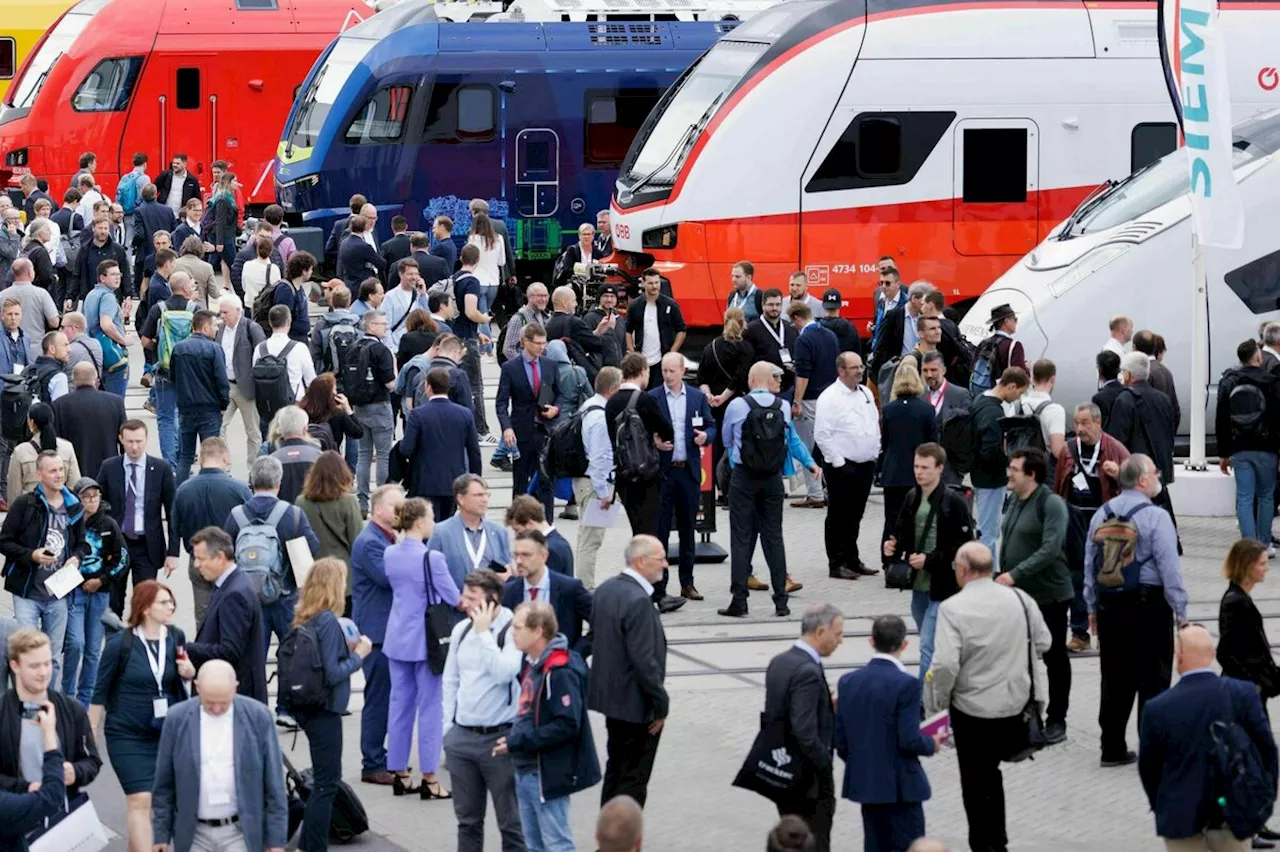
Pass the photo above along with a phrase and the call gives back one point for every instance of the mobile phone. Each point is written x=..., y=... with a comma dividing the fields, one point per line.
x=31, y=710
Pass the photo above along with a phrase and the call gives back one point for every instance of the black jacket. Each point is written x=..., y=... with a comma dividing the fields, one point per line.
x=1162, y=380
x=1244, y=651
x=24, y=532
x=90, y=419
x=670, y=322
x=724, y=365
x=91, y=255
x=765, y=347
x=650, y=413
x=905, y=423
x=232, y=631
x=629, y=654
x=205, y=500
x=106, y=546
x=357, y=260
x=74, y=733
x=954, y=527
x=432, y=268
x=989, y=458
x=158, y=491
x=889, y=341
x=24, y=812
x=1142, y=420
x=1229, y=440
x=615, y=340
x=200, y=375
x=844, y=332
x=395, y=249
x=164, y=183
x=796, y=690
x=1105, y=399
x=585, y=348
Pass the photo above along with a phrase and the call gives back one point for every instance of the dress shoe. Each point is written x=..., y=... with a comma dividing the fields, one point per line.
x=732, y=611
x=145, y=381
x=381, y=777
x=691, y=593
x=1079, y=644
x=793, y=586
x=503, y=464
x=781, y=611
x=755, y=585
x=670, y=603
x=862, y=569
x=569, y=513
x=1267, y=834
x=808, y=503
x=1055, y=732
x=1119, y=759
x=843, y=573
x=1259, y=843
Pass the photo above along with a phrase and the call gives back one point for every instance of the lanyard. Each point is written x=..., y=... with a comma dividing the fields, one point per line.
x=737, y=300
x=1093, y=462
x=156, y=664
x=476, y=554
x=937, y=397
x=780, y=336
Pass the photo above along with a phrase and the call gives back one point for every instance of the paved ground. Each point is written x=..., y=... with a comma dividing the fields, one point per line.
x=1060, y=801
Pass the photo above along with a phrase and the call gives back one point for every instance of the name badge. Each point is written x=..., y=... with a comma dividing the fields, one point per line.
x=159, y=707
x=697, y=421
x=1080, y=482
x=785, y=355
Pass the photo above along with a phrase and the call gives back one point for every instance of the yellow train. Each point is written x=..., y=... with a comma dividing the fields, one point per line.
x=22, y=23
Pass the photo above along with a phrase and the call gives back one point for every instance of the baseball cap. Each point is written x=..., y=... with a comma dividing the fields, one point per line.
x=831, y=298
x=83, y=484
x=607, y=288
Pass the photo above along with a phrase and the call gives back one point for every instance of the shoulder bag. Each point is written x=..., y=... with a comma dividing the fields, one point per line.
x=774, y=767
x=1030, y=738
x=439, y=621
x=899, y=574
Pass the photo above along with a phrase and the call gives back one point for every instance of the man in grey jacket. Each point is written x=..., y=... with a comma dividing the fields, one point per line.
x=10, y=240
x=981, y=672
x=245, y=336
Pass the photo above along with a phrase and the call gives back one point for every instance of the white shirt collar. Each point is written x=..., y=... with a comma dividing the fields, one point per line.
x=628, y=386
x=890, y=658
x=225, y=574
x=644, y=584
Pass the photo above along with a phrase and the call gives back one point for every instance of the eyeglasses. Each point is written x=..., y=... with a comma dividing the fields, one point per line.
x=167, y=602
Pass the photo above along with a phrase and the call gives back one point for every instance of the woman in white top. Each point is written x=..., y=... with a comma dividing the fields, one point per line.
x=259, y=272
x=493, y=252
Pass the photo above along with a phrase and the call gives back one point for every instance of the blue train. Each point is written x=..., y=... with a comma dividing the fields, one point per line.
x=421, y=115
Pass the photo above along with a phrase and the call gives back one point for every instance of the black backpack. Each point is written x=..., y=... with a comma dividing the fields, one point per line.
x=957, y=438
x=339, y=339
x=271, y=386
x=1241, y=787
x=356, y=372
x=15, y=404
x=1247, y=406
x=983, y=376
x=1022, y=431
x=633, y=451
x=300, y=670
x=764, y=438
x=563, y=453
x=349, y=818
x=262, y=305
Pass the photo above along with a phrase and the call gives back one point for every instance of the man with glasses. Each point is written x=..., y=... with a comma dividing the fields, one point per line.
x=899, y=332
x=1134, y=620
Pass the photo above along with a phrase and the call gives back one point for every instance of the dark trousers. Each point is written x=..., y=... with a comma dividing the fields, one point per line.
x=755, y=511
x=324, y=736
x=655, y=375
x=642, y=501
x=818, y=811
x=980, y=745
x=1135, y=637
x=891, y=828
x=475, y=770
x=1056, y=664
x=630, y=752
x=193, y=428
x=522, y=471
x=848, y=487
x=140, y=566
x=443, y=507
x=679, y=504
x=373, y=718
x=894, y=497
x=1079, y=611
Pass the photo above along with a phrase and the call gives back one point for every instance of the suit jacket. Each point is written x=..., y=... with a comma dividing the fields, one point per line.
x=90, y=419
x=1175, y=758
x=233, y=631
x=432, y=268
x=955, y=399
x=571, y=602
x=1244, y=652
x=889, y=338
x=878, y=736
x=905, y=423
x=248, y=335
x=1142, y=419
x=152, y=216
x=795, y=687
x=395, y=249
x=440, y=437
x=516, y=405
x=261, y=801
x=159, y=490
x=1105, y=399
x=357, y=260
x=695, y=404
x=1162, y=380
x=164, y=183
x=630, y=653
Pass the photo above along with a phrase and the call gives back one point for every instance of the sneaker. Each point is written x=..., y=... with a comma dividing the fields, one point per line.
x=1055, y=732
x=1079, y=644
x=504, y=464
x=1123, y=759
x=489, y=440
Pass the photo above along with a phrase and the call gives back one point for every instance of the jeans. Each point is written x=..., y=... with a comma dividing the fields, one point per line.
x=990, y=507
x=804, y=429
x=1255, y=478
x=1079, y=613
x=166, y=418
x=194, y=426
x=471, y=366
x=324, y=736
x=277, y=618
x=925, y=614
x=5, y=452
x=379, y=433
x=116, y=381
x=49, y=617
x=546, y=824
x=82, y=647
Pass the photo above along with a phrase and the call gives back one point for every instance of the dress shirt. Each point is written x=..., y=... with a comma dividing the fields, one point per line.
x=228, y=349
x=217, y=765
x=910, y=331
x=676, y=405
x=302, y=371
x=809, y=649
x=369, y=238
x=891, y=658
x=139, y=502
x=1113, y=345
x=1157, y=545
x=543, y=586
x=481, y=681
x=528, y=374
x=225, y=574
x=644, y=584
x=736, y=414
x=846, y=426
x=595, y=440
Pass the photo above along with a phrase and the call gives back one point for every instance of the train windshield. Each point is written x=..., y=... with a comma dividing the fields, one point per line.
x=23, y=93
x=690, y=107
x=323, y=91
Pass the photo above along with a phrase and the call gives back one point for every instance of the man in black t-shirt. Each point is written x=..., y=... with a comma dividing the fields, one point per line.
x=466, y=292
x=371, y=401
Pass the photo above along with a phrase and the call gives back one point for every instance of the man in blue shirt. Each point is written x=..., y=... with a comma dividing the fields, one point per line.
x=816, y=351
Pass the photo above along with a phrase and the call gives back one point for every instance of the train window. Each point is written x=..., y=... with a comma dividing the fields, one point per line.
x=1257, y=283
x=8, y=58
x=108, y=86
x=1149, y=142
x=256, y=5
x=188, y=88
x=476, y=112
x=995, y=165
x=381, y=119
x=880, y=149
x=613, y=120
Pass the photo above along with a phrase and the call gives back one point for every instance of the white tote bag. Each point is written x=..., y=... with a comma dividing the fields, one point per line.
x=77, y=830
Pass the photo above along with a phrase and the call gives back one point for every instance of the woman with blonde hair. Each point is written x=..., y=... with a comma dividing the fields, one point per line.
x=320, y=604
x=259, y=272
x=722, y=372
x=906, y=421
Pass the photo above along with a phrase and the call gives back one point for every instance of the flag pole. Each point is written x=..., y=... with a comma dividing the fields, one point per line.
x=1199, y=354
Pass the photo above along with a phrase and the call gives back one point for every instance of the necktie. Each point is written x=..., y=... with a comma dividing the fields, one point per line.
x=533, y=593
x=537, y=379
x=131, y=500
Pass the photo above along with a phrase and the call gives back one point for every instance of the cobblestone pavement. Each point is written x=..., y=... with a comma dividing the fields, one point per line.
x=1060, y=801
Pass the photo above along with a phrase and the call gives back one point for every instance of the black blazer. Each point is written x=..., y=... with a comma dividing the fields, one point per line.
x=90, y=419
x=764, y=347
x=516, y=405
x=357, y=260
x=232, y=631
x=1243, y=649
x=889, y=341
x=432, y=267
x=571, y=602
x=795, y=688
x=1142, y=420
x=629, y=662
x=905, y=424
x=159, y=490
x=395, y=249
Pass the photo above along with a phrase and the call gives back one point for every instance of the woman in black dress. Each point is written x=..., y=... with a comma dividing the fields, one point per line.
x=144, y=671
x=722, y=374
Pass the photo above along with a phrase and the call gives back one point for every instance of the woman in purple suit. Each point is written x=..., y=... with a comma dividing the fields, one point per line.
x=415, y=690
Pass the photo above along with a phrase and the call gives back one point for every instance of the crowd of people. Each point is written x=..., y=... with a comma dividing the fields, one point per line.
x=360, y=536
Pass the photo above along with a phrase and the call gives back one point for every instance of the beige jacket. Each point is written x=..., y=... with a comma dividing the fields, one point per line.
x=22, y=467
x=208, y=288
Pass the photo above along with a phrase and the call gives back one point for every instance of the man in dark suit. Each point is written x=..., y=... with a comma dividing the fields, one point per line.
x=773, y=339
x=795, y=688
x=138, y=488
x=685, y=407
x=431, y=267
x=1152, y=345
x=1176, y=758
x=151, y=216
x=397, y=248
x=641, y=499
x=628, y=668
x=898, y=332
x=233, y=628
x=1109, y=386
x=533, y=581
x=341, y=228
x=440, y=437
x=946, y=398
x=357, y=260
x=527, y=389
x=1143, y=420
x=89, y=418
x=878, y=737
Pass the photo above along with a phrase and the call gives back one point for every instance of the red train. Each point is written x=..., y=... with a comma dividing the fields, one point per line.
x=212, y=79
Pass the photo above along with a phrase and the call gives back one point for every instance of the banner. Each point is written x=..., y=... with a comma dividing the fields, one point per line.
x=1196, y=58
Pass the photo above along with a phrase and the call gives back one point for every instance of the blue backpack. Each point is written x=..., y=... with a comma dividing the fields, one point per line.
x=128, y=191
x=983, y=377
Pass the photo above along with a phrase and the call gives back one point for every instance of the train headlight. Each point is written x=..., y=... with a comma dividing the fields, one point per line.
x=1086, y=266
x=659, y=238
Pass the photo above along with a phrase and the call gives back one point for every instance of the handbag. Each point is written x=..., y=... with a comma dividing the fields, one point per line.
x=76, y=830
x=1031, y=739
x=114, y=356
x=774, y=768
x=439, y=622
x=899, y=574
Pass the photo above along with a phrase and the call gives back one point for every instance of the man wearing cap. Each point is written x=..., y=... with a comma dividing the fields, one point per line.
x=615, y=336
x=1004, y=323
x=830, y=319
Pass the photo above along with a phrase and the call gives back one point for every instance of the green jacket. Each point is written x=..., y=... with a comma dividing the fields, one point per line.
x=989, y=459
x=1033, y=546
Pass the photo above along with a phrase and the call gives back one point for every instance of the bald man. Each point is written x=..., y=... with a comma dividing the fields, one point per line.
x=1176, y=758
x=620, y=826
x=196, y=801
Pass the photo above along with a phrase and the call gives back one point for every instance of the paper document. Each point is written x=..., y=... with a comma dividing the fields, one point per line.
x=597, y=517
x=65, y=580
x=300, y=558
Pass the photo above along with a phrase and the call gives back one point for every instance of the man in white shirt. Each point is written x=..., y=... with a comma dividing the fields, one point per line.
x=1039, y=404
x=302, y=371
x=239, y=340
x=846, y=428
x=89, y=196
x=1121, y=333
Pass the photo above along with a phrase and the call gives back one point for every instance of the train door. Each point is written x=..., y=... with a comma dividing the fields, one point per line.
x=995, y=202
x=189, y=111
x=537, y=172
